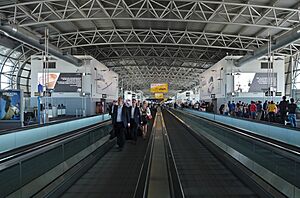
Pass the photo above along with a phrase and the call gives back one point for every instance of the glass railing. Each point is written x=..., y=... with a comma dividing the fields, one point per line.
x=280, y=133
x=38, y=169
x=14, y=139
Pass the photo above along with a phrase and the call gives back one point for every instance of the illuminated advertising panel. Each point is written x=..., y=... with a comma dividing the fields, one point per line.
x=159, y=96
x=10, y=105
x=62, y=82
x=159, y=88
x=254, y=82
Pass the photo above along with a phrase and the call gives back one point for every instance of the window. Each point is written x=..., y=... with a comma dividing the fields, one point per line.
x=51, y=65
x=265, y=65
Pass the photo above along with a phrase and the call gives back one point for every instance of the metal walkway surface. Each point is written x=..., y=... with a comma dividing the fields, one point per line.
x=283, y=164
x=114, y=175
x=200, y=172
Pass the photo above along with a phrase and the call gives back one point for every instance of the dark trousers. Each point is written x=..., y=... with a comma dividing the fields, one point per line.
x=133, y=129
x=272, y=116
x=120, y=133
x=282, y=117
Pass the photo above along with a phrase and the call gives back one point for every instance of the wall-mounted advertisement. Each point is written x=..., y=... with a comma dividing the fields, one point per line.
x=107, y=82
x=210, y=83
x=159, y=88
x=62, y=82
x=10, y=105
x=254, y=82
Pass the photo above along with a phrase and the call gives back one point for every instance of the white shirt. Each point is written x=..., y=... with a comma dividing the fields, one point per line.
x=132, y=112
x=148, y=112
x=119, y=114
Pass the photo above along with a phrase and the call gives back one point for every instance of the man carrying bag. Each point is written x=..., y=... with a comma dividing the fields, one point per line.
x=120, y=120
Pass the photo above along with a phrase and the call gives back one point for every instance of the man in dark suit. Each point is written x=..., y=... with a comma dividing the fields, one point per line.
x=120, y=120
x=135, y=120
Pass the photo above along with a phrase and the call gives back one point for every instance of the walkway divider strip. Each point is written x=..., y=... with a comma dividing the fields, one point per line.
x=158, y=178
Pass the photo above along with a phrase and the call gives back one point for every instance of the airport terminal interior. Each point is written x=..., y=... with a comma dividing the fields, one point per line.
x=149, y=98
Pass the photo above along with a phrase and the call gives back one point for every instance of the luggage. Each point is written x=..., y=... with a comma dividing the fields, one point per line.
x=128, y=134
x=140, y=131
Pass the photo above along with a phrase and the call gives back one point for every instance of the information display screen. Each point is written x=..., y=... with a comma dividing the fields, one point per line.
x=10, y=105
x=62, y=82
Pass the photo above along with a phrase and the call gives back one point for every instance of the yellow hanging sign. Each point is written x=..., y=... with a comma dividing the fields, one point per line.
x=159, y=96
x=159, y=88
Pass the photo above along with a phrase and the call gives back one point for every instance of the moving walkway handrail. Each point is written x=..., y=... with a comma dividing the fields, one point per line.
x=240, y=131
x=33, y=126
x=30, y=151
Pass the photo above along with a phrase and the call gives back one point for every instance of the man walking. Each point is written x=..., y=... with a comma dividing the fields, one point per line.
x=135, y=120
x=120, y=120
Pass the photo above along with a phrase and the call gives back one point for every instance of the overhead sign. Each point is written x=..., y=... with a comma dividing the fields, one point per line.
x=62, y=82
x=159, y=96
x=159, y=88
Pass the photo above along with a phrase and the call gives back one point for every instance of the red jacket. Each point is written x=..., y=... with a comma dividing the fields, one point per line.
x=253, y=108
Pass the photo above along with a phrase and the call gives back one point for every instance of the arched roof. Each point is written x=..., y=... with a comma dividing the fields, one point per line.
x=157, y=40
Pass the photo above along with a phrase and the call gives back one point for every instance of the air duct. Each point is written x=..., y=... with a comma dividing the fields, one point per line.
x=25, y=36
x=285, y=39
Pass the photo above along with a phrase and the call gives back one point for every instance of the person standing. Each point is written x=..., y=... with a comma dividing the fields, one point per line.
x=226, y=110
x=265, y=110
x=272, y=109
x=259, y=110
x=120, y=120
x=253, y=110
x=135, y=120
x=146, y=115
x=221, y=109
x=292, y=112
x=283, y=109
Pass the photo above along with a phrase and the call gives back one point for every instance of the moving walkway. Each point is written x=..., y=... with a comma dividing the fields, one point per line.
x=183, y=156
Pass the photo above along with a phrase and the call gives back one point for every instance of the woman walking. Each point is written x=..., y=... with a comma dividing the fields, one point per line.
x=146, y=115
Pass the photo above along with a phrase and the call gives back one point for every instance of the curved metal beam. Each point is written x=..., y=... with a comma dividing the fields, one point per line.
x=280, y=42
x=205, y=12
x=24, y=36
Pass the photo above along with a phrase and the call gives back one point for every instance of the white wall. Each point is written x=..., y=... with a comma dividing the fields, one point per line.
x=181, y=97
x=97, y=74
x=219, y=81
